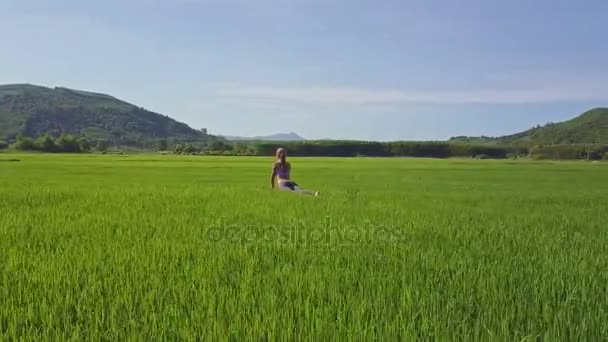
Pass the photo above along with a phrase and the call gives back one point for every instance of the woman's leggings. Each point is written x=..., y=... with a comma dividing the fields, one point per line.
x=292, y=186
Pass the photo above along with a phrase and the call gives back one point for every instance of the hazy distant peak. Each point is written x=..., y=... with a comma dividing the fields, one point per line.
x=291, y=136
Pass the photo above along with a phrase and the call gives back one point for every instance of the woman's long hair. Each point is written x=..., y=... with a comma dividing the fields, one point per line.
x=281, y=151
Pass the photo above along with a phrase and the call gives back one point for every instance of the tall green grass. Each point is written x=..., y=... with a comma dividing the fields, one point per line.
x=151, y=247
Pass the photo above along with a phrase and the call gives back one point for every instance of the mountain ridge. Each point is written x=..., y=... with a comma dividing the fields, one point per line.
x=32, y=110
x=590, y=127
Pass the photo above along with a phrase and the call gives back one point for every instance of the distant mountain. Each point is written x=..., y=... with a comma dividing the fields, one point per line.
x=274, y=137
x=34, y=110
x=590, y=127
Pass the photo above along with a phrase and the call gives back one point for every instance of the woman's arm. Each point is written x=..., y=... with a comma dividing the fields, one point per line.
x=273, y=175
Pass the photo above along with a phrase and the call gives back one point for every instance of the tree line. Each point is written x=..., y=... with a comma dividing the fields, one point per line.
x=428, y=149
x=391, y=149
x=351, y=149
x=327, y=148
x=65, y=143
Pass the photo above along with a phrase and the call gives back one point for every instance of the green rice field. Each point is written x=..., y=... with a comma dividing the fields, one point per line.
x=151, y=247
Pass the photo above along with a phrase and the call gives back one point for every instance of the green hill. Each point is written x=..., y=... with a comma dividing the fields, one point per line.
x=589, y=128
x=33, y=111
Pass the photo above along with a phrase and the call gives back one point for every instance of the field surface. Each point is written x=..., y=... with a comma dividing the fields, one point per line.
x=163, y=247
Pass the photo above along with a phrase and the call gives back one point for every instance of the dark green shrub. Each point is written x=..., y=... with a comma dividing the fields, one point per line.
x=67, y=144
x=84, y=144
x=178, y=148
x=489, y=152
x=189, y=149
x=25, y=143
x=46, y=143
x=163, y=145
x=102, y=145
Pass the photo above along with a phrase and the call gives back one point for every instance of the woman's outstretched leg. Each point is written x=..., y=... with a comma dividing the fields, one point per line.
x=304, y=191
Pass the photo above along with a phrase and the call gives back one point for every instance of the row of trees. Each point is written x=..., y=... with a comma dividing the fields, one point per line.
x=69, y=144
x=433, y=150
x=215, y=147
x=65, y=143
x=390, y=149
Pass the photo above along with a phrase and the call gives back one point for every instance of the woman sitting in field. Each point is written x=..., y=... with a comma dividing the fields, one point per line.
x=281, y=170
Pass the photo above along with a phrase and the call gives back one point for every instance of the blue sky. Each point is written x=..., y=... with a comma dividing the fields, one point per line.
x=359, y=69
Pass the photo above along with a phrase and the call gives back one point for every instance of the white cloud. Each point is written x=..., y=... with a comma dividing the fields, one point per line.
x=365, y=96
